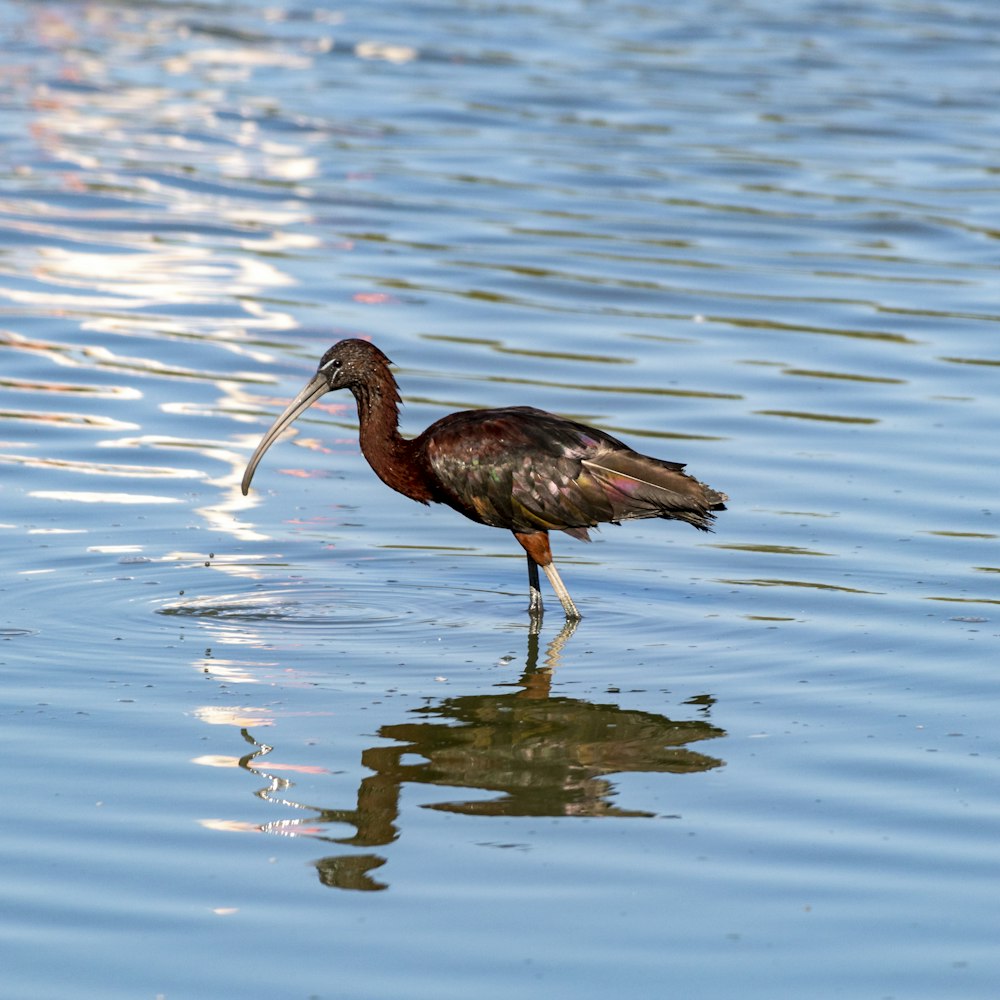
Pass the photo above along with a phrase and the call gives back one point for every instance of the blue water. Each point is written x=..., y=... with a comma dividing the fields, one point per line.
x=302, y=744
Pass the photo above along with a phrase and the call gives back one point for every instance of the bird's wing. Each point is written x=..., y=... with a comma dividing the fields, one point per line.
x=528, y=470
x=509, y=468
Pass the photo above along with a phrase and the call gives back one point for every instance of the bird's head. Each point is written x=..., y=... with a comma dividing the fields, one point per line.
x=349, y=364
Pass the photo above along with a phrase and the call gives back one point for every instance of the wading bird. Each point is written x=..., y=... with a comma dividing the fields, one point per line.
x=516, y=467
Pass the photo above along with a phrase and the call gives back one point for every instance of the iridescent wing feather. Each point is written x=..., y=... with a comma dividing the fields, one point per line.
x=528, y=470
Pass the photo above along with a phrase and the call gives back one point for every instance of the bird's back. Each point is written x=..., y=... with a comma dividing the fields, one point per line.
x=529, y=470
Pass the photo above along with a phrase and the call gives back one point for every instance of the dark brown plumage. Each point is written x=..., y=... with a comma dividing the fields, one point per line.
x=517, y=467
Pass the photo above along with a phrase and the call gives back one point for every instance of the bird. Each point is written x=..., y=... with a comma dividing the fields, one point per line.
x=513, y=467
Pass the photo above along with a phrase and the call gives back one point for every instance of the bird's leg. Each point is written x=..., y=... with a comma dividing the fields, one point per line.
x=535, y=608
x=536, y=544
x=561, y=592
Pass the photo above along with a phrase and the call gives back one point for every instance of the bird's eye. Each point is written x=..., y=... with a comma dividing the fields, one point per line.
x=337, y=363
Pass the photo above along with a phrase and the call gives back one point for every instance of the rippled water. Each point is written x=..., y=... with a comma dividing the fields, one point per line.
x=301, y=743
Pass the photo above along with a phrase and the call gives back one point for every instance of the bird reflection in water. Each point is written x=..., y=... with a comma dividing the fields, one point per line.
x=541, y=754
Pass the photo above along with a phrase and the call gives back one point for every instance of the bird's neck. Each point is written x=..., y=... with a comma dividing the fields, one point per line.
x=390, y=455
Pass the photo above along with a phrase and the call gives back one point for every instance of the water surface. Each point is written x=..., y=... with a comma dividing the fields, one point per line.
x=301, y=743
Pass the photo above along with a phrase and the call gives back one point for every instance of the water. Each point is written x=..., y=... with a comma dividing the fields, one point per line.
x=301, y=744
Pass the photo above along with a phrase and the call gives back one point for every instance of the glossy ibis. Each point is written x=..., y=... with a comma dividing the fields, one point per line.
x=517, y=467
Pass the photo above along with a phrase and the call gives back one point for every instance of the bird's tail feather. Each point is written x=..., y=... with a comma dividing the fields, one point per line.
x=638, y=486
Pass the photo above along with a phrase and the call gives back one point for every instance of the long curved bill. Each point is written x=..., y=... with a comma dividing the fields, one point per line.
x=313, y=389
